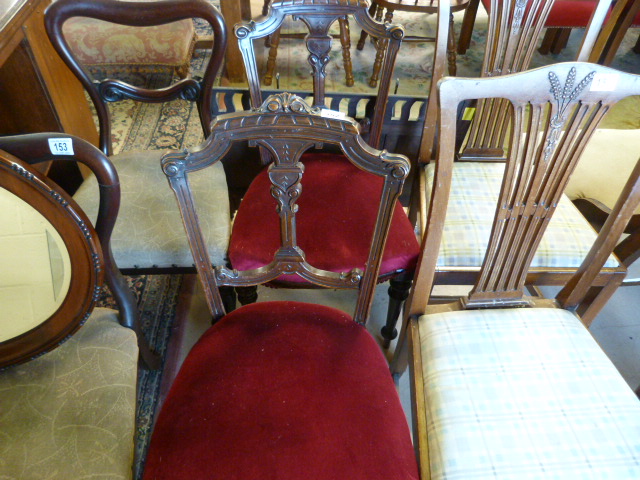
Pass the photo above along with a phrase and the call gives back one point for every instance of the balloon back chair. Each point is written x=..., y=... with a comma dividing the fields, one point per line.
x=327, y=171
x=505, y=384
x=286, y=389
x=148, y=237
x=67, y=371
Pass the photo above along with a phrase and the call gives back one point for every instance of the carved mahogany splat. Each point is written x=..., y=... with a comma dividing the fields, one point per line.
x=318, y=16
x=287, y=127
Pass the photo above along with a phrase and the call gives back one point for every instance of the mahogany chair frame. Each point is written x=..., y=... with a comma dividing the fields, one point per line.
x=147, y=14
x=101, y=93
x=536, y=172
x=286, y=126
x=90, y=252
x=318, y=16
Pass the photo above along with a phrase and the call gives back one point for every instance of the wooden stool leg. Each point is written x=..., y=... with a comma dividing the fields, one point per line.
x=363, y=34
x=381, y=46
x=273, y=53
x=345, y=40
x=451, y=48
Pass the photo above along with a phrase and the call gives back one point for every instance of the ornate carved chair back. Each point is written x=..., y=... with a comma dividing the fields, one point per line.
x=146, y=14
x=286, y=126
x=318, y=16
x=555, y=111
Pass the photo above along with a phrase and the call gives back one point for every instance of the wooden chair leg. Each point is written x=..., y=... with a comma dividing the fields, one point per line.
x=363, y=35
x=548, y=40
x=345, y=41
x=247, y=295
x=398, y=292
x=561, y=40
x=466, y=30
x=381, y=46
x=636, y=48
x=228, y=295
x=451, y=48
x=271, y=61
x=595, y=300
x=265, y=7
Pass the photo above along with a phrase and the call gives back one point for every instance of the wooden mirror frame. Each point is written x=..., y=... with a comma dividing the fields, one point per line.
x=84, y=251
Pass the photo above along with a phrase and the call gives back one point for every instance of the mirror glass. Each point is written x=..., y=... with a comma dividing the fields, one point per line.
x=35, y=267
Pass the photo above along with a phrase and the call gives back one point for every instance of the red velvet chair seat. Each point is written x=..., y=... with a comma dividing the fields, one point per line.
x=338, y=205
x=568, y=13
x=283, y=391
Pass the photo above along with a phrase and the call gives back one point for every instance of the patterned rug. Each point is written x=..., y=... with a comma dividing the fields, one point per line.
x=157, y=299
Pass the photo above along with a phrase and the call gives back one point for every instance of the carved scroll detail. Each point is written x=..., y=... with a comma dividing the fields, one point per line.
x=564, y=97
x=286, y=187
x=286, y=102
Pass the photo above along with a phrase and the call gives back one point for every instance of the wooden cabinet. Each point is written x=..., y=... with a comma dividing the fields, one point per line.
x=37, y=91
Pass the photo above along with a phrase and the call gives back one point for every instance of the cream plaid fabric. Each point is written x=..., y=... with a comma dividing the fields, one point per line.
x=524, y=394
x=472, y=206
x=149, y=230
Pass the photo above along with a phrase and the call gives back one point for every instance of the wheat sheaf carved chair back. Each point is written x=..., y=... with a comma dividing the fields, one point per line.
x=287, y=127
x=555, y=111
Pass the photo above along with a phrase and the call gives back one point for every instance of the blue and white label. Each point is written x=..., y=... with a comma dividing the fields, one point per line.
x=61, y=146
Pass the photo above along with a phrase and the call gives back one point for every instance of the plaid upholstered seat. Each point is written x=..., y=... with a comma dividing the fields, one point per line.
x=524, y=393
x=472, y=206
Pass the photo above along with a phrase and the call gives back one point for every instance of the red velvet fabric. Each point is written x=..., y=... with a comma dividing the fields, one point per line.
x=337, y=212
x=569, y=13
x=283, y=391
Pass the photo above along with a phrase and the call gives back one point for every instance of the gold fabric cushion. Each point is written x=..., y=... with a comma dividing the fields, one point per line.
x=149, y=230
x=70, y=414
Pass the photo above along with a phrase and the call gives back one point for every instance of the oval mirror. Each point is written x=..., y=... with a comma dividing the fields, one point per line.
x=50, y=263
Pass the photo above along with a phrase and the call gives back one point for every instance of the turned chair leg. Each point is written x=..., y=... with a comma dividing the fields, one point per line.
x=363, y=35
x=398, y=292
x=381, y=46
x=345, y=41
x=271, y=61
x=247, y=295
x=228, y=295
x=451, y=48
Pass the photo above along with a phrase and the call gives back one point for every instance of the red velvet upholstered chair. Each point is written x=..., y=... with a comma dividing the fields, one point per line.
x=326, y=172
x=286, y=390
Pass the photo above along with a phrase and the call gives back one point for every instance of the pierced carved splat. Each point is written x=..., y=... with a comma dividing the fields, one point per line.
x=287, y=127
x=544, y=150
x=318, y=16
x=513, y=29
